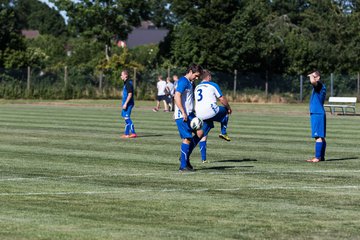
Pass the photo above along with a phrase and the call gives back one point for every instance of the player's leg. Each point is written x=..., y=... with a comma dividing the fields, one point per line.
x=166, y=107
x=223, y=117
x=186, y=135
x=318, y=133
x=129, y=125
x=155, y=109
x=202, y=145
x=207, y=126
x=323, y=149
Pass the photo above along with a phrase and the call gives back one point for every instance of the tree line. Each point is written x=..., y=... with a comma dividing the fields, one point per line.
x=268, y=37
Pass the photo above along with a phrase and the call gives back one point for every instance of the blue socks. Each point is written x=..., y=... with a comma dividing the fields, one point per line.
x=184, y=154
x=318, y=148
x=129, y=126
x=224, y=123
x=323, y=150
x=202, y=146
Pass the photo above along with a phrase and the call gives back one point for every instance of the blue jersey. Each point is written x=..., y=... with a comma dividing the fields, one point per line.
x=317, y=98
x=128, y=88
x=185, y=87
x=206, y=95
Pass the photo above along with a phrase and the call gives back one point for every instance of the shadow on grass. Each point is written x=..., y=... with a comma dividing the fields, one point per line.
x=238, y=160
x=341, y=159
x=215, y=168
x=149, y=135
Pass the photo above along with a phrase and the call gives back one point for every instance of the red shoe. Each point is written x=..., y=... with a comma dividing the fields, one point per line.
x=133, y=135
x=125, y=136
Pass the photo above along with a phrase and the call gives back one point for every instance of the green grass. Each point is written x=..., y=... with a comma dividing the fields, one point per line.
x=66, y=174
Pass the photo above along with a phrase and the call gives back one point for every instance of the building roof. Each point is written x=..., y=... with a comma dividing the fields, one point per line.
x=30, y=33
x=147, y=33
x=141, y=36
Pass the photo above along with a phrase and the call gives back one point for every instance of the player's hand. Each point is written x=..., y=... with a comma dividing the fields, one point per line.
x=124, y=106
x=229, y=110
x=185, y=117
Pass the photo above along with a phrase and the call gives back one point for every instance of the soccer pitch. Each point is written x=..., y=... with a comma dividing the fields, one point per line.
x=67, y=174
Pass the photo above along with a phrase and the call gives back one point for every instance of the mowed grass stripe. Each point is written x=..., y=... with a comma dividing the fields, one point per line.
x=78, y=178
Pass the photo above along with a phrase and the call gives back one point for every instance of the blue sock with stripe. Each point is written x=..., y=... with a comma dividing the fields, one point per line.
x=128, y=123
x=224, y=124
x=184, y=155
x=202, y=146
x=132, y=128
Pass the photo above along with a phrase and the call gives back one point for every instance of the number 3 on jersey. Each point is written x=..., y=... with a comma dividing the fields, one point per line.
x=199, y=94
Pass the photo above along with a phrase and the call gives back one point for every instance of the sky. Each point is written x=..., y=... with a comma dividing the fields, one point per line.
x=52, y=6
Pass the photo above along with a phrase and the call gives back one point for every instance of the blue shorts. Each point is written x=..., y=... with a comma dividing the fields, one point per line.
x=318, y=125
x=220, y=115
x=185, y=131
x=207, y=126
x=125, y=113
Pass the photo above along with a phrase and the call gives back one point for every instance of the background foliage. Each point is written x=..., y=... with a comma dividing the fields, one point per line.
x=271, y=39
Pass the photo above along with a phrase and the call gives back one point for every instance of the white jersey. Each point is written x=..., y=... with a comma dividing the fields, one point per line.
x=184, y=86
x=161, y=86
x=206, y=95
x=171, y=88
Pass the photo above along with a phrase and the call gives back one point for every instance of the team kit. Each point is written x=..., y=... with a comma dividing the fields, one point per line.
x=196, y=110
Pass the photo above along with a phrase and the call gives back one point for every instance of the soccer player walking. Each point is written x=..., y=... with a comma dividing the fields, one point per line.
x=184, y=112
x=206, y=108
x=318, y=116
x=127, y=105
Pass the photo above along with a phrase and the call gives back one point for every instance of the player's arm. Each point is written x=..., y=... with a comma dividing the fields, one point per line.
x=129, y=96
x=226, y=104
x=178, y=103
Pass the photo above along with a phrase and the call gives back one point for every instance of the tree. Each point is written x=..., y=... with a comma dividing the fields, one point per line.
x=103, y=20
x=33, y=14
x=11, y=42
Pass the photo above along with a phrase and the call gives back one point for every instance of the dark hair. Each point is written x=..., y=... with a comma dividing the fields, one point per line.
x=205, y=73
x=194, y=68
x=317, y=72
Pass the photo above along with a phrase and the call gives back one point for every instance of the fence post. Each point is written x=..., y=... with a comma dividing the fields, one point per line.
x=358, y=83
x=301, y=87
x=135, y=79
x=65, y=76
x=331, y=84
x=28, y=79
x=235, y=82
x=168, y=72
x=101, y=80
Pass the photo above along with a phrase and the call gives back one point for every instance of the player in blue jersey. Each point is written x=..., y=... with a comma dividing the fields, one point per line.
x=184, y=112
x=127, y=105
x=206, y=108
x=318, y=116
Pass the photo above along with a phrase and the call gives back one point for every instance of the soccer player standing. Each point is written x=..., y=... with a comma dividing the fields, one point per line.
x=206, y=108
x=318, y=116
x=127, y=105
x=184, y=112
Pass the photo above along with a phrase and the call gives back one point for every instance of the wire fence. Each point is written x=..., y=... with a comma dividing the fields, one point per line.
x=75, y=83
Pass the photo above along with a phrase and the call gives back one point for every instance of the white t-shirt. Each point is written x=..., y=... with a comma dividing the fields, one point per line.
x=206, y=95
x=171, y=88
x=185, y=87
x=161, y=86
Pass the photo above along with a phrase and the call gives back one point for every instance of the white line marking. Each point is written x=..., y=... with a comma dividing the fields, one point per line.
x=177, y=190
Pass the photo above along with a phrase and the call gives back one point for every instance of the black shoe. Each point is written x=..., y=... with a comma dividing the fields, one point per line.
x=188, y=165
x=186, y=169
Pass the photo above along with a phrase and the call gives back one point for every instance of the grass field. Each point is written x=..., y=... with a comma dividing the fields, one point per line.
x=66, y=174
